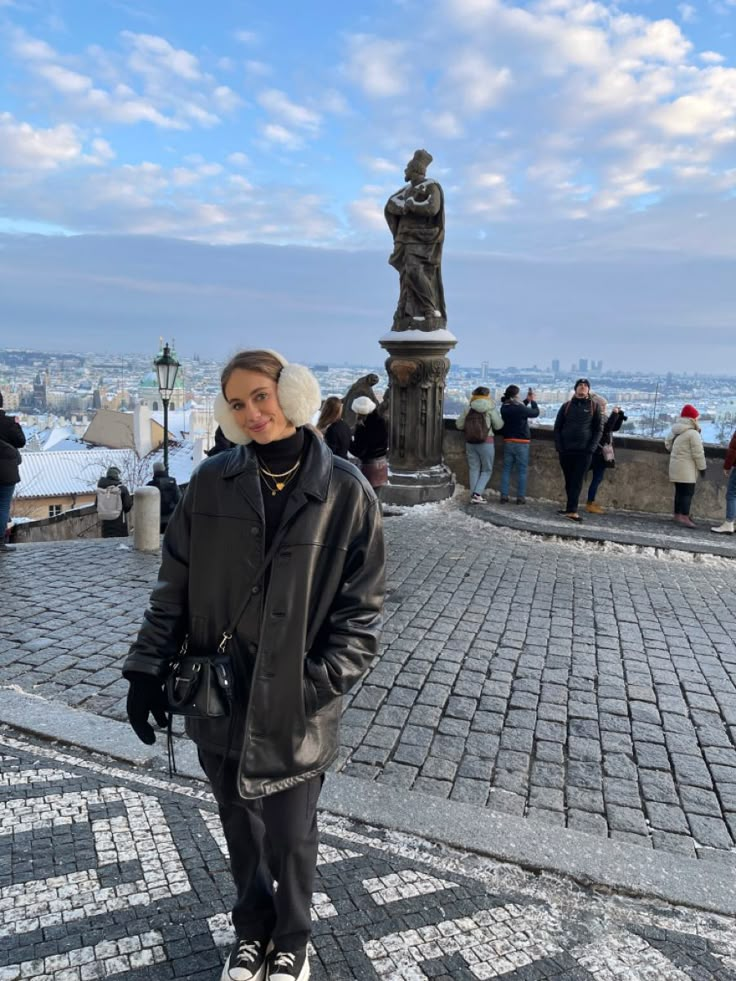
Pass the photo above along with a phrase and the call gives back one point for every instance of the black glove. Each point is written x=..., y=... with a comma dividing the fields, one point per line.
x=146, y=694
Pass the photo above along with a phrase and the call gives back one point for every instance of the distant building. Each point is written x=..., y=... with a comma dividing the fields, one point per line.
x=556, y=366
x=583, y=365
x=484, y=371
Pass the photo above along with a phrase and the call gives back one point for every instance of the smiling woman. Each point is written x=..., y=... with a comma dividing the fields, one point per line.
x=274, y=560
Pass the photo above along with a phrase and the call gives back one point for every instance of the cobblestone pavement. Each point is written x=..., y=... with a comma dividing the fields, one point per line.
x=110, y=873
x=625, y=527
x=570, y=683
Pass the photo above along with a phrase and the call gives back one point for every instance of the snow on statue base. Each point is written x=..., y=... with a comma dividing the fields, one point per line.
x=417, y=367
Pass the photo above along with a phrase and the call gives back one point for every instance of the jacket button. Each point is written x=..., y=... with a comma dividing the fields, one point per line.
x=255, y=531
x=252, y=648
x=255, y=590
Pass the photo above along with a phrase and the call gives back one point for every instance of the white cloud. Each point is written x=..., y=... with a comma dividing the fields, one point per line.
x=238, y=159
x=478, y=85
x=688, y=13
x=276, y=133
x=24, y=147
x=153, y=56
x=290, y=113
x=246, y=37
x=378, y=66
x=711, y=57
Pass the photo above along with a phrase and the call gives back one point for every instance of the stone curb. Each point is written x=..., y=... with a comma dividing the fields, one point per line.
x=601, y=531
x=588, y=859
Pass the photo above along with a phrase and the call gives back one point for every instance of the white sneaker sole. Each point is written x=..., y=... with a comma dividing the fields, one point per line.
x=304, y=974
x=225, y=976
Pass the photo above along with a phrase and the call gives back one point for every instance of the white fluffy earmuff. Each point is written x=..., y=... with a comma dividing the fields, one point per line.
x=298, y=394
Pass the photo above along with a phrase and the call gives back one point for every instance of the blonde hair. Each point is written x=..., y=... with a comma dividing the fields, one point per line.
x=264, y=362
x=331, y=412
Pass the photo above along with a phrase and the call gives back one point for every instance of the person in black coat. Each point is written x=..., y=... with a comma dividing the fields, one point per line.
x=578, y=430
x=12, y=438
x=282, y=522
x=169, y=491
x=222, y=443
x=334, y=429
x=370, y=443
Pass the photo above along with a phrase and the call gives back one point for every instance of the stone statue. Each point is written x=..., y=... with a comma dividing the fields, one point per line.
x=363, y=386
x=416, y=216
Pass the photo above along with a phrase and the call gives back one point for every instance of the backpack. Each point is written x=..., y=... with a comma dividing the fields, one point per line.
x=109, y=503
x=476, y=428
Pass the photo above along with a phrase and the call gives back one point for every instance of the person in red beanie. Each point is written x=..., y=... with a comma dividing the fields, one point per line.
x=687, y=459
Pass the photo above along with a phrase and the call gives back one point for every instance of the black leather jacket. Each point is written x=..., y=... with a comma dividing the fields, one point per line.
x=304, y=643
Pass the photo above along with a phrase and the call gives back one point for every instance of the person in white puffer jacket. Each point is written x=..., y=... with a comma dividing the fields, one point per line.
x=687, y=459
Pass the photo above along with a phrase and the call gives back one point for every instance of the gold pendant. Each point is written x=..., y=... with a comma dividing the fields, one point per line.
x=279, y=485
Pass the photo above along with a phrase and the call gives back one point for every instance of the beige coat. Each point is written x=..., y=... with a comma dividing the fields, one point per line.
x=687, y=456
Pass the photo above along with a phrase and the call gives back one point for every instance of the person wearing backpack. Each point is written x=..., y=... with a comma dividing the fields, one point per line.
x=478, y=423
x=578, y=431
x=113, y=504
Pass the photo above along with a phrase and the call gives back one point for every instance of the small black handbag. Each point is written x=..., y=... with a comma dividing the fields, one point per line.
x=200, y=686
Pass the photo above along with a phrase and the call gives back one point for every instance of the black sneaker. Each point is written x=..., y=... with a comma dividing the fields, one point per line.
x=288, y=965
x=247, y=961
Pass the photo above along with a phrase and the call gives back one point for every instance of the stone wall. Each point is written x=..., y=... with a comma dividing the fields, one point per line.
x=639, y=481
x=67, y=526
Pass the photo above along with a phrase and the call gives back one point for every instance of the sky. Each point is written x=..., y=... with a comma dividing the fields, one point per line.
x=217, y=173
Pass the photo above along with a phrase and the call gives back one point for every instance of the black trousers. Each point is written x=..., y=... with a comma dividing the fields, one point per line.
x=684, y=498
x=574, y=467
x=271, y=840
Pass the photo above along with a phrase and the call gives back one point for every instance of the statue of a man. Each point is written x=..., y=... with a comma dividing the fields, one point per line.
x=416, y=216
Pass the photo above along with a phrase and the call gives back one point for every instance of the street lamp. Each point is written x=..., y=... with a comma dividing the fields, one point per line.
x=167, y=368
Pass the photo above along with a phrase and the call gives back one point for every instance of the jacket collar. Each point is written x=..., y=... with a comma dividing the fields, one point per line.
x=316, y=470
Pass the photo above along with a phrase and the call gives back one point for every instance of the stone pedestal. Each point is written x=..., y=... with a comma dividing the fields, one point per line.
x=417, y=367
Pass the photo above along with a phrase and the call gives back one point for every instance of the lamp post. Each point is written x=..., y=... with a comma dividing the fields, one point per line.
x=167, y=368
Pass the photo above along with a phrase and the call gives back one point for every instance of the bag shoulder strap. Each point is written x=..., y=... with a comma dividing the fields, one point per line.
x=227, y=634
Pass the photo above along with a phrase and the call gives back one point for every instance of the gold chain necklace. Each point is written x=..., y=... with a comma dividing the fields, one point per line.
x=278, y=484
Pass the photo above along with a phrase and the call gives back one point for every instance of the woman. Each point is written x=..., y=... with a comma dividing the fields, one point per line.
x=603, y=458
x=729, y=471
x=281, y=521
x=336, y=432
x=516, y=439
x=370, y=442
x=687, y=459
x=478, y=423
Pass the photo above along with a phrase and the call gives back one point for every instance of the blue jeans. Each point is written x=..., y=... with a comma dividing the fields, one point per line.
x=731, y=496
x=515, y=454
x=480, y=465
x=599, y=472
x=6, y=495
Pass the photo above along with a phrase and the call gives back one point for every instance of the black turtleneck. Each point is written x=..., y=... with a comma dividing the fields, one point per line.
x=278, y=457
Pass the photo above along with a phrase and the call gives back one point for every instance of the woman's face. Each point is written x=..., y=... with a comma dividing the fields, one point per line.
x=255, y=406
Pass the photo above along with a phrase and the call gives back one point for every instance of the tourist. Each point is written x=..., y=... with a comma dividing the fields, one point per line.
x=578, y=429
x=729, y=469
x=478, y=423
x=603, y=457
x=12, y=438
x=168, y=490
x=114, y=503
x=687, y=459
x=281, y=522
x=516, y=439
x=334, y=429
x=370, y=443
